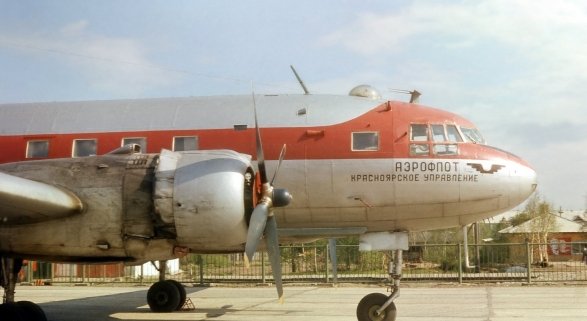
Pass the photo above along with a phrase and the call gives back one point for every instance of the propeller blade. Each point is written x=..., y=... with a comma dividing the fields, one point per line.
x=262, y=220
x=260, y=155
x=256, y=227
x=272, y=242
x=281, y=157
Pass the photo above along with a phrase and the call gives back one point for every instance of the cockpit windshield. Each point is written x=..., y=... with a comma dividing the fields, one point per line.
x=473, y=135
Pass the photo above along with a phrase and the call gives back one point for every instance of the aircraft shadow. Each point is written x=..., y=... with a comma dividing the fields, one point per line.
x=122, y=306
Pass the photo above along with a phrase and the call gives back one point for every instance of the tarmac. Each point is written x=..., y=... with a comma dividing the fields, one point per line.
x=416, y=303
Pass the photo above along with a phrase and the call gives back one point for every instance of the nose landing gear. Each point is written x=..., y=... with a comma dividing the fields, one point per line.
x=378, y=306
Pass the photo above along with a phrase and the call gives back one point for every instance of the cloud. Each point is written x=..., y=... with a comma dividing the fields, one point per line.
x=551, y=34
x=561, y=172
x=522, y=56
x=541, y=136
x=113, y=65
x=525, y=24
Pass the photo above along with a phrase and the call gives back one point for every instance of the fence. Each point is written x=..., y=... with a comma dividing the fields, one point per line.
x=311, y=263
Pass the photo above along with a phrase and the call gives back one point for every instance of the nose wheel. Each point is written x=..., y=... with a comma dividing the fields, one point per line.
x=371, y=303
x=378, y=306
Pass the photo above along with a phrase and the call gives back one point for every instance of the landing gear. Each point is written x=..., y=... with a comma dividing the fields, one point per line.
x=182, y=293
x=166, y=295
x=163, y=296
x=378, y=306
x=368, y=306
x=22, y=310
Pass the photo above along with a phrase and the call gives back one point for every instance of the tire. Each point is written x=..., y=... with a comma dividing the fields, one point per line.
x=182, y=293
x=31, y=311
x=11, y=312
x=163, y=296
x=367, y=307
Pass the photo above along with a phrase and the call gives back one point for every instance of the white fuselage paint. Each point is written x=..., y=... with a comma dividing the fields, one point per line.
x=398, y=194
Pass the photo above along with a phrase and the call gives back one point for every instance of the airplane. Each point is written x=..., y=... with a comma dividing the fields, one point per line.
x=155, y=179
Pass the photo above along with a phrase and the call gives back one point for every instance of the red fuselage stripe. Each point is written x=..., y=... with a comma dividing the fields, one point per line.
x=324, y=142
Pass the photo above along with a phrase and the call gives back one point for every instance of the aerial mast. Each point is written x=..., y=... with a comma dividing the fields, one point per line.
x=306, y=92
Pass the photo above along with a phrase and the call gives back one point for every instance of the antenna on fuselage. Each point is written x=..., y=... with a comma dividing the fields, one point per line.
x=414, y=94
x=306, y=92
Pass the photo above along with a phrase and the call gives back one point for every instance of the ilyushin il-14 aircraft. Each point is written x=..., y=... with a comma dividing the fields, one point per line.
x=155, y=179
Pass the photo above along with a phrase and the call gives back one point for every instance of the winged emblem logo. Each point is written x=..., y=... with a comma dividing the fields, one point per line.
x=481, y=169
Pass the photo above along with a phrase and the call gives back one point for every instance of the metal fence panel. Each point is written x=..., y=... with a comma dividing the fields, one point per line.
x=311, y=263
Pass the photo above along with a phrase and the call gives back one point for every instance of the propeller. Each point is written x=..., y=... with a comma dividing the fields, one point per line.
x=262, y=219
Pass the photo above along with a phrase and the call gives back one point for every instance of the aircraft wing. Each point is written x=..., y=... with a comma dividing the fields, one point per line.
x=24, y=201
x=322, y=232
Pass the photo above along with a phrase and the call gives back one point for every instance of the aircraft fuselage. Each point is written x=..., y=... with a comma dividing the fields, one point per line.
x=352, y=164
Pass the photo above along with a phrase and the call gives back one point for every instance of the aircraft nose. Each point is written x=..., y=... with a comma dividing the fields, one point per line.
x=527, y=178
x=533, y=180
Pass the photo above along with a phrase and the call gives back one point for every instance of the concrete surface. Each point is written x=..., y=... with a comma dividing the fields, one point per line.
x=464, y=303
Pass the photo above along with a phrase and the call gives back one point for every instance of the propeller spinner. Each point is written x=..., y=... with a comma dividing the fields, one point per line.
x=262, y=219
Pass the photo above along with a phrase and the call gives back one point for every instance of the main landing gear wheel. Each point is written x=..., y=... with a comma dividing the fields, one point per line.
x=368, y=306
x=10, y=312
x=22, y=311
x=182, y=293
x=31, y=311
x=163, y=296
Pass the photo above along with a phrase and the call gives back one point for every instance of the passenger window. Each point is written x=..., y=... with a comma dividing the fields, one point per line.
x=419, y=133
x=365, y=141
x=453, y=134
x=139, y=141
x=438, y=133
x=37, y=149
x=84, y=147
x=185, y=143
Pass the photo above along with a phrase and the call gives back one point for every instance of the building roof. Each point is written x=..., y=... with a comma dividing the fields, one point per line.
x=561, y=225
x=577, y=216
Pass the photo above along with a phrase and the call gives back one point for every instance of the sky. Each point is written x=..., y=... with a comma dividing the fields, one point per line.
x=517, y=69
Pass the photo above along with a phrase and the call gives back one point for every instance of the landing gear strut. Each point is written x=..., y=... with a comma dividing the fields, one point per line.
x=9, y=310
x=166, y=295
x=378, y=306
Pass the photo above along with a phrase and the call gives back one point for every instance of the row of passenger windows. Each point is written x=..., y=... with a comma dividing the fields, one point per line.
x=88, y=147
x=361, y=141
x=444, y=140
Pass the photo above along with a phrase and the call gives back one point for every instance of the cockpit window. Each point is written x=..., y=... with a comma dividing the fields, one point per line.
x=453, y=134
x=473, y=135
x=442, y=140
x=438, y=133
x=419, y=133
x=444, y=144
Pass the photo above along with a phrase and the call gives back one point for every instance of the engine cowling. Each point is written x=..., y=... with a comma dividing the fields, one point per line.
x=206, y=196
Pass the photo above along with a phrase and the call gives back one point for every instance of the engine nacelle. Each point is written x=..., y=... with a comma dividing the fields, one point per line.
x=206, y=195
